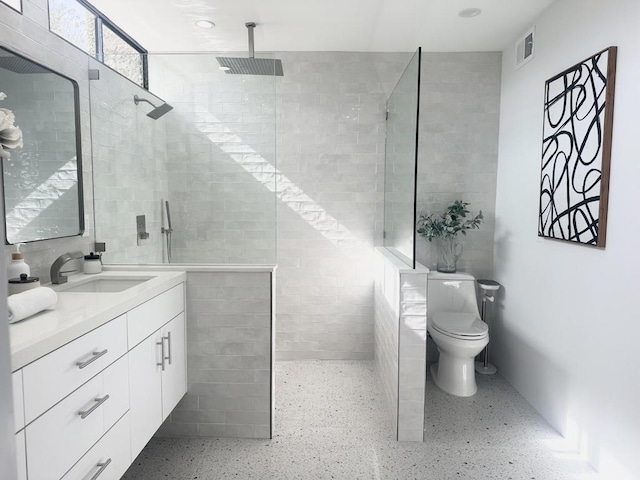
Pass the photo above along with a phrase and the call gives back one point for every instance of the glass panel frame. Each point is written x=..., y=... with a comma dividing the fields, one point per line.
x=401, y=163
x=97, y=52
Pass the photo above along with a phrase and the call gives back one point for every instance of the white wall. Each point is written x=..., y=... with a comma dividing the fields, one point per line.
x=567, y=335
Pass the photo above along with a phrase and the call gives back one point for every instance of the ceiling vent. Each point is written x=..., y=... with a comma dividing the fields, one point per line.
x=525, y=48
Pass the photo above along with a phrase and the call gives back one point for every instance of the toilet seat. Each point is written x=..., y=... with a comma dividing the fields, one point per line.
x=459, y=325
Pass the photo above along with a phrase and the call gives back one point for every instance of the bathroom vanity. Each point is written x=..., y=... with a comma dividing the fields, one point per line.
x=95, y=378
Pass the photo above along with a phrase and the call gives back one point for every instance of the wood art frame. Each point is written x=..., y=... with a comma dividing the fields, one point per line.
x=576, y=151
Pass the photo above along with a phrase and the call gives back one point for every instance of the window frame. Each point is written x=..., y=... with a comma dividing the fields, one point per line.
x=100, y=20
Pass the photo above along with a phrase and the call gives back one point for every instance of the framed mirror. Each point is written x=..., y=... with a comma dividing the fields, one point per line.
x=42, y=179
x=15, y=4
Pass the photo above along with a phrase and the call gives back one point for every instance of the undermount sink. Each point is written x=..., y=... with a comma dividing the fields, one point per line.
x=103, y=284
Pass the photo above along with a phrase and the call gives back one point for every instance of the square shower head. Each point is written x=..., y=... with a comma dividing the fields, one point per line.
x=251, y=66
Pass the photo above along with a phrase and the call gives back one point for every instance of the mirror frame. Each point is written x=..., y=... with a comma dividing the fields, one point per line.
x=78, y=134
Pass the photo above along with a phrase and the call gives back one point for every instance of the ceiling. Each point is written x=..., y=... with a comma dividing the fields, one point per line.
x=323, y=25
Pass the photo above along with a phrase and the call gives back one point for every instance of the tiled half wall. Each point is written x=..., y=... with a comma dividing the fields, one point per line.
x=230, y=339
x=400, y=340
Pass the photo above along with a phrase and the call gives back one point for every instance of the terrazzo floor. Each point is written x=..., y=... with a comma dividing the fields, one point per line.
x=331, y=423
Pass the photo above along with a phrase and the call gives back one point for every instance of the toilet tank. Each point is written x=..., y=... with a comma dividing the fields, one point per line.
x=451, y=292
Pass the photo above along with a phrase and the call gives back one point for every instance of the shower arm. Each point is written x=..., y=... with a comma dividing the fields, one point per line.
x=250, y=26
x=138, y=99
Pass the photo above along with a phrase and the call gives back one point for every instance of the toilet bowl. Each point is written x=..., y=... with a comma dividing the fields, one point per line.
x=454, y=323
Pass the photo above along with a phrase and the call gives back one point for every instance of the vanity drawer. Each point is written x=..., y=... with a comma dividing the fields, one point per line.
x=57, y=439
x=18, y=400
x=150, y=316
x=52, y=377
x=108, y=459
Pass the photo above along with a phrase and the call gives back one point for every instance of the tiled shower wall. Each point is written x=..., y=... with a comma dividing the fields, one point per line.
x=28, y=34
x=458, y=148
x=130, y=163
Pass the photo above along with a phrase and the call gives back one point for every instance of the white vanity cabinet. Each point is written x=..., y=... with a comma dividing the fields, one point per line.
x=87, y=408
x=157, y=365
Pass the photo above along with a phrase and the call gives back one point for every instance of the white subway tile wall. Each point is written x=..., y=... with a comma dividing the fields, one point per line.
x=229, y=357
x=28, y=34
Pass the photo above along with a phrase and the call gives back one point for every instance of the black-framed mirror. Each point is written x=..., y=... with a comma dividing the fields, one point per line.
x=42, y=180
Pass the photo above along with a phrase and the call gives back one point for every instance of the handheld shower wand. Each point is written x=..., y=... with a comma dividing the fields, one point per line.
x=168, y=230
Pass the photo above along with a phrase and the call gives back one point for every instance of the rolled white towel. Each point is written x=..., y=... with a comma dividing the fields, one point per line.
x=25, y=304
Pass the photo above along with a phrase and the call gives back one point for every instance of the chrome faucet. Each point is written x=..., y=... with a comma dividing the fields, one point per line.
x=62, y=260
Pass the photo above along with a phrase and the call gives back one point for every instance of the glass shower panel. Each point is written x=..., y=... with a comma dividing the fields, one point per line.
x=401, y=157
x=129, y=163
x=212, y=158
x=221, y=161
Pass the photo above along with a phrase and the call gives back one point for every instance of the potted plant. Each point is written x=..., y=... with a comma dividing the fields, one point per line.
x=445, y=228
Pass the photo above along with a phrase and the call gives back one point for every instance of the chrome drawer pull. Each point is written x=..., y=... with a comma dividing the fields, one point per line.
x=95, y=356
x=99, y=401
x=168, y=337
x=102, y=466
x=162, y=357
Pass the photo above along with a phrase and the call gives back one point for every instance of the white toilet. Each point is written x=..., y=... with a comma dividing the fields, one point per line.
x=454, y=323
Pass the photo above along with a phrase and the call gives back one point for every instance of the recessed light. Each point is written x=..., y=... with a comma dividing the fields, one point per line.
x=205, y=24
x=224, y=69
x=469, y=12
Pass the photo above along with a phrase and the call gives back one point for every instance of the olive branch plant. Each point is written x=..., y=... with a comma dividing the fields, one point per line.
x=449, y=223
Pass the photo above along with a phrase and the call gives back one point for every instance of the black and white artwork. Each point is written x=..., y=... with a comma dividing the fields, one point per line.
x=576, y=151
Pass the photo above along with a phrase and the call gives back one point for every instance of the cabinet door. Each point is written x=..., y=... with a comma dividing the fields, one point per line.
x=145, y=376
x=21, y=450
x=174, y=377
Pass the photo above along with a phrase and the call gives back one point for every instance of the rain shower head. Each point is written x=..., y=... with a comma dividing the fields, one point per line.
x=251, y=65
x=157, y=112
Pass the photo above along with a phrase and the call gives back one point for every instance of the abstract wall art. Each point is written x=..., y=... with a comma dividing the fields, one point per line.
x=576, y=151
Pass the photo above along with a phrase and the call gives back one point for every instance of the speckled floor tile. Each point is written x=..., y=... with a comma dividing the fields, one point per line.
x=332, y=423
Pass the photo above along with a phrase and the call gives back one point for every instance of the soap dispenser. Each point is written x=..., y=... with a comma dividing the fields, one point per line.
x=17, y=266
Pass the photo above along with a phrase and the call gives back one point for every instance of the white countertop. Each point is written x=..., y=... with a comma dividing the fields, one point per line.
x=78, y=313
